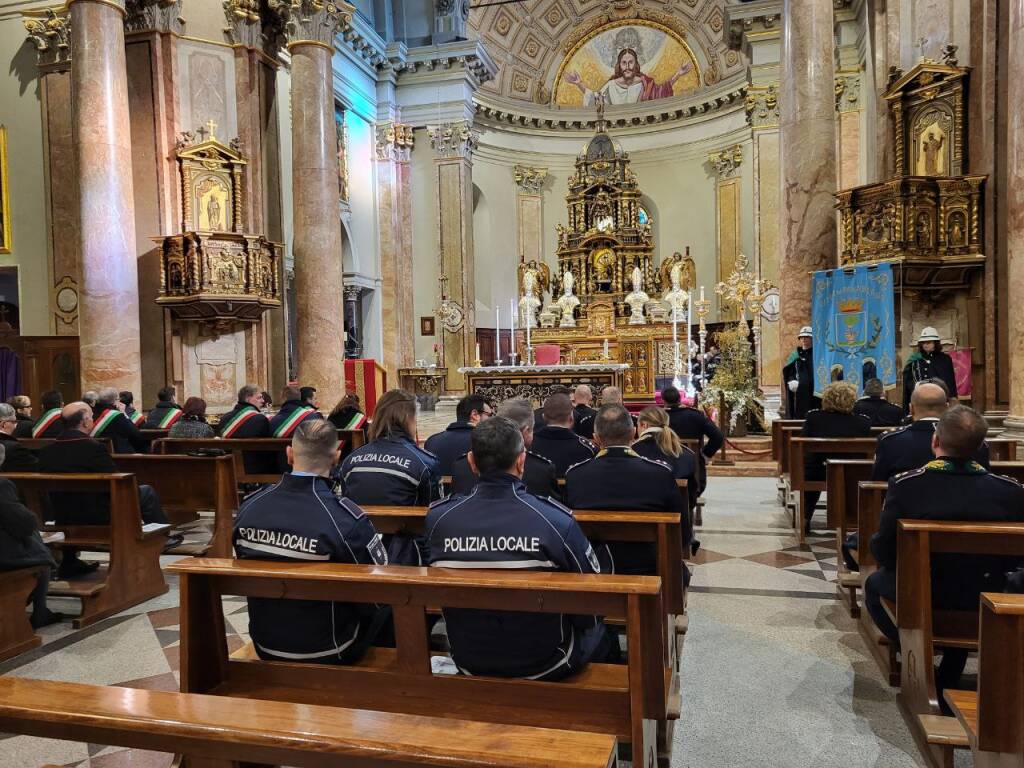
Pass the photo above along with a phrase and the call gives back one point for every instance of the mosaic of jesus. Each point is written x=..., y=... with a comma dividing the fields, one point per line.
x=627, y=64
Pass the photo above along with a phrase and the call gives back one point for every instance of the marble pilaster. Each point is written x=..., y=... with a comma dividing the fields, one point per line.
x=807, y=223
x=1015, y=219
x=394, y=212
x=530, y=211
x=726, y=165
x=310, y=26
x=848, y=104
x=454, y=144
x=109, y=306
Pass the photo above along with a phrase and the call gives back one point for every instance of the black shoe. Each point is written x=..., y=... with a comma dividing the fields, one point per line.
x=75, y=568
x=173, y=541
x=48, y=618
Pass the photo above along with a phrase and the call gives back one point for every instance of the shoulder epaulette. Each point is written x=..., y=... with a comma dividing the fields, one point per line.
x=557, y=504
x=433, y=504
x=813, y=410
x=899, y=478
x=351, y=507
x=577, y=464
x=656, y=462
x=891, y=432
x=1005, y=478
x=545, y=459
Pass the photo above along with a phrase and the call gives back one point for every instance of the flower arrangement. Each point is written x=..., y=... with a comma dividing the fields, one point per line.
x=734, y=378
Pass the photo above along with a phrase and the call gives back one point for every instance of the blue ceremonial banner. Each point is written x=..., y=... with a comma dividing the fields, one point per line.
x=854, y=326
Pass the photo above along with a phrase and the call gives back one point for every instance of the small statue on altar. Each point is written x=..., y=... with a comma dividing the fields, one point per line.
x=568, y=301
x=529, y=304
x=676, y=299
x=637, y=299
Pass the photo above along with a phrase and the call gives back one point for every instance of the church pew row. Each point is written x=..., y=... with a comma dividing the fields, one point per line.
x=626, y=701
x=992, y=716
x=16, y=633
x=924, y=628
x=133, y=573
x=186, y=486
x=212, y=731
x=800, y=485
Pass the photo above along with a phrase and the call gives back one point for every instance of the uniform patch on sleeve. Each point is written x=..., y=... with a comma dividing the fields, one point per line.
x=592, y=559
x=351, y=507
x=378, y=553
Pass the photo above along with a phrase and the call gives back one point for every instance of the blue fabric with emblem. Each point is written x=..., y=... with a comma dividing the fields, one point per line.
x=853, y=316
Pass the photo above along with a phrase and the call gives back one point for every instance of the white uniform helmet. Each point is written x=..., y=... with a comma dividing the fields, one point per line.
x=928, y=334
x=805, y=331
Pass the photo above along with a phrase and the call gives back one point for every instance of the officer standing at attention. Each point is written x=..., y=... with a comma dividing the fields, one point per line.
x=292, y=413
x=583, y=414
x=928, y=361
x=619, y=478
x=301, y=519
x=874, y=405
x=447, y=446
x=952, y=487
x=798, y=373
x=538, y=472
x=556, y=440
x=501, y=525
x=691, y=423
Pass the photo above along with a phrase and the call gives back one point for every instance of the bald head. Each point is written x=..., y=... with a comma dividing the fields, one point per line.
x=928, y=401
x=77, y=415
x=611, y=396
x=582, y=395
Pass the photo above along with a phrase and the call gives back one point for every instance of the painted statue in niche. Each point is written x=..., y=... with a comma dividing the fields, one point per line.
x=212, y=197
x=341, y=129
x=627, y=63
x=931, y=152
x=956, y=229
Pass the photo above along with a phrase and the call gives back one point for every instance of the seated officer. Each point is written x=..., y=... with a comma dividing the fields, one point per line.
x=301, y=519
x=691, y=423
x=538, y=413
x=49, y=424
x=618, y=478
x=874, y=405
x=447, y=446
x=556, y=440
x=110, y=422
x=953, y=488
x=583, y=415
x=521, y=532
x=538, y=474
x=657, y=441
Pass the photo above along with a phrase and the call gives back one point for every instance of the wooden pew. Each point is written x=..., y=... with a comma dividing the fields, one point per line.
x=16, y=633
x=870, y=499
x=778, y=454
x=187, y=485
x=1002, y=449
x=133, y=573
x=992, y=716
x=841, y=479
x=211, y=728
x=799, y=447
x=923, y=628
x=622, y=700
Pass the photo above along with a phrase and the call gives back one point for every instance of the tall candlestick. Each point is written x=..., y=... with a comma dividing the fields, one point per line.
x=606, y=355
x=529, y=345
x=689, y=341
x=512, y=340
x=477, y=360
x=497, y=335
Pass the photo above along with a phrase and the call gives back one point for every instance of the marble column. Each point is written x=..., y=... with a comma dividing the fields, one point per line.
x=454, y=144
x=1015, y=218
x=394, y=212
x=310, y=27
x=109, y=305
x=530, y=211
x=807, y=146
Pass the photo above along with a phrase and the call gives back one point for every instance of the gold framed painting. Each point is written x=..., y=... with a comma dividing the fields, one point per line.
x=5, y=204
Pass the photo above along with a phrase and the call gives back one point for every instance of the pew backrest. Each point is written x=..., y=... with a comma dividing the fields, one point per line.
x=1001, y=674
x=801, y=447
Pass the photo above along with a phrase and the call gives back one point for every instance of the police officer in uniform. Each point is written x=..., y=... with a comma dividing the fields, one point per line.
x=657, y=441
x=798, y=373
x=556, y=440
x=691, y=423
x=874, y=406
x=502, y=525
x=538, y=413
x=447, y=446
x=109, y=421
x=538, y=473
x=583, y=415
x=952, y=487
x=300, y=519
x=619, y=478
x=928, y=362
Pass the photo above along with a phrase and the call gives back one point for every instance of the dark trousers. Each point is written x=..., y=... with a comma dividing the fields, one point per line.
x=149, y=509
x=812, y=498
x=852, y=542
x=38, y=596
x=882, y=584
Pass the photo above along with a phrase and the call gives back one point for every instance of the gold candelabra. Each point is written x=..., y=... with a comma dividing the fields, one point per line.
x=746, y=292
x=703, y=308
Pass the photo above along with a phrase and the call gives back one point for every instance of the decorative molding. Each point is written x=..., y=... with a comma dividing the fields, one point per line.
x=453, y=140
x=394, y=142
x=727, y=161
x=312, y=21
x=244, y=24
x=762, y=106
x=155, y=16
x=50, y=32
x=530, y=181
x=847, y=92
x=468, y=54
x=742, y=27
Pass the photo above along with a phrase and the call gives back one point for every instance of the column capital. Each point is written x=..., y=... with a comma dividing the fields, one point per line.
x=762, y=106
x=847, y=91
x=154, y=15
x=454, y=140
x=244, y=23
x=529, y=181
x=116, y=4
x=312, y=22
x=394, y=142
x=50, y=32
x=749, y=22
x=727, y=162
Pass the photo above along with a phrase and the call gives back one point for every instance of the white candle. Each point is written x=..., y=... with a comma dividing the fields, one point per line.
x=702, y=293
x=606, y=349
x=497, y=335
x=477, y=351
x=512, y=339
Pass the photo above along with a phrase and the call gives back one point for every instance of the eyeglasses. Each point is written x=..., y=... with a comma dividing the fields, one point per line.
x=487, y=413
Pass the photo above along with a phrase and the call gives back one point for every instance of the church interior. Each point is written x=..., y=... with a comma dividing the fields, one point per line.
x=751, y=226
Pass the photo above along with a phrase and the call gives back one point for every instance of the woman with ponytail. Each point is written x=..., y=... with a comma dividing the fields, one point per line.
x=657, y=441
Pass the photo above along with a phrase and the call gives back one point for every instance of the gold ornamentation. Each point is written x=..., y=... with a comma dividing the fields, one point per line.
x=394, y=142
x=449, y=312
x=529, y=180
x=312, y=21
x=50, y=32
x=762, y=106
x=727, y=161
x=155, y=15
x=5, y=196
x=454, y=139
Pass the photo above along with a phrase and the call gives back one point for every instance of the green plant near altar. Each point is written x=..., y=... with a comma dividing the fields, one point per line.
x=734, y=378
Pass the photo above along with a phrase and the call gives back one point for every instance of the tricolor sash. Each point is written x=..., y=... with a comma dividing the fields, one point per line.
x=46, y=421
x=104, y=421
x=172, y=415
x=137, y=418
x=357, y=422
x=286, y=427
x=238, y=420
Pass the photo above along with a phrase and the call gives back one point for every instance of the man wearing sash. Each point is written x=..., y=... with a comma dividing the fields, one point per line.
x=293, y=412
x=110, y=422
x=128, y=401
x=49, y=424
x=245, y=420
x=166, y=411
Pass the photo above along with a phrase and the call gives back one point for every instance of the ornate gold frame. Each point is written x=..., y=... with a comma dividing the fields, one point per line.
x=5, y=196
